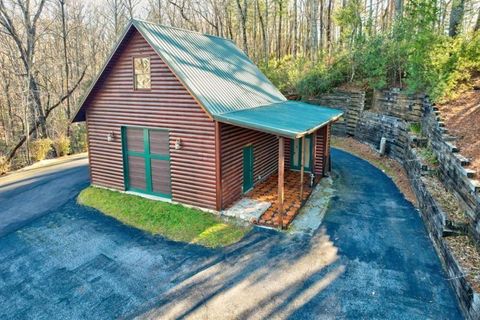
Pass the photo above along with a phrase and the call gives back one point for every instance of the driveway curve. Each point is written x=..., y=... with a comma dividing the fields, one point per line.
x=370, y=259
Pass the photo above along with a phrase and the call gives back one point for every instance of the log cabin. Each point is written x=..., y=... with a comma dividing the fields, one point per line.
x=188, y=117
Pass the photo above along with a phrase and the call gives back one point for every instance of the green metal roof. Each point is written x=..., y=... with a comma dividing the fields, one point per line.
x=291, y=119
x=215, y=70
x=227, y=84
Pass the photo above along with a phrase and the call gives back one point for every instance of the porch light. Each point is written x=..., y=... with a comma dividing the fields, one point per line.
x=110, y=136
x=178, y=144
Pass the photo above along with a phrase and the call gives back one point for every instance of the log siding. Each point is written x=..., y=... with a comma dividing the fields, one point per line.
x=265, y=157
x=265, y=154
x=322, y=138
x=167, y=105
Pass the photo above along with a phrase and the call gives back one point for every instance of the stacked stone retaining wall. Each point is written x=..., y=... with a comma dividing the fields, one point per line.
x=453, y=169
x=351, y=102
x=395, y=103
x=389, y=116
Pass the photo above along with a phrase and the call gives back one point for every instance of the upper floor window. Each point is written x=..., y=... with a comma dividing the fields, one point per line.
x=141, y=69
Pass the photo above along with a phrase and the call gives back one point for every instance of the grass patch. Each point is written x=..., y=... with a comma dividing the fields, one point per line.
x=415, y=128
x=172, y=221
x=429, y=156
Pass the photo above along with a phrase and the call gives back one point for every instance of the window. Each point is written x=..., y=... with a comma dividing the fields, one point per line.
x=141, y=68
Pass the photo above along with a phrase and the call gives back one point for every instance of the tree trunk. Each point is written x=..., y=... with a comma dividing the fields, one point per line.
x=41, y=121
x=65, y=61
x=242, y=14
x=314, y=30
x=329, y=27
x=279, y=31
x=456, y=17
x=267, y=41
x=477, y=24
x=295, y=29
x=398, y=9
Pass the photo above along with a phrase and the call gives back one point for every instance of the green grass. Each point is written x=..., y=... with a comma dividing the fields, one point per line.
x=429, y=156
x=172, y=221
x=415, y=128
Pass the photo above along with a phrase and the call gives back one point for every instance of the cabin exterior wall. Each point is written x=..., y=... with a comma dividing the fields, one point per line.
x=265, y=151
x=322, y=150
x=265, y=154
x=167, y=105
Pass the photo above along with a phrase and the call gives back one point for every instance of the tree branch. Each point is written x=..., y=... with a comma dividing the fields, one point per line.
x=37, y=123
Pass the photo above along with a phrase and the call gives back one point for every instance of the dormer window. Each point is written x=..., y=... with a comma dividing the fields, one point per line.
x=141, y=70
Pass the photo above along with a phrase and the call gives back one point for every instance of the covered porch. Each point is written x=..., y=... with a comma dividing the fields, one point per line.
x=295, y=124
x=267, y=191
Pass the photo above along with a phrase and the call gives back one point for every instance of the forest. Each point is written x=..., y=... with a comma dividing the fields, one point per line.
x=52, y=49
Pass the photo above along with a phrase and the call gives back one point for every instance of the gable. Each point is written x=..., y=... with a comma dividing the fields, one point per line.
x=214, y=71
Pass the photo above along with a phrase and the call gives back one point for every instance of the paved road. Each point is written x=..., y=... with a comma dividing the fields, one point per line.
x=28, y=194
x=371, y=259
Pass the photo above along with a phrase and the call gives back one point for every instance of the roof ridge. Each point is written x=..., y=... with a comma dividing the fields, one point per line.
x=180, y=29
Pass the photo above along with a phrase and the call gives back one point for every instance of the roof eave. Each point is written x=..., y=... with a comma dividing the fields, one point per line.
x=247, y=125
x=310, y=131
x=278, y=132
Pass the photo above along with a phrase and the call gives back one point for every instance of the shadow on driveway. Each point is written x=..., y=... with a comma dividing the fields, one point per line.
x=371, y=258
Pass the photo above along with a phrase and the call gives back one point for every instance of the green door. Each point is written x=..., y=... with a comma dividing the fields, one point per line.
x=247, y=168
x=296, y=153
x=146, y=161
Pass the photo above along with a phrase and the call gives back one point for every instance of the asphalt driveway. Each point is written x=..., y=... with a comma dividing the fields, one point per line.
x=370, y=259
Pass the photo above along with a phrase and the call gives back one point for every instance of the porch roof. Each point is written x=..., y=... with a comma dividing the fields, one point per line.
x=292, y=119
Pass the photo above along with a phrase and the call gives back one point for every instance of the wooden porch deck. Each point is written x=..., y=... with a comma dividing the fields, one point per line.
x=268, y=191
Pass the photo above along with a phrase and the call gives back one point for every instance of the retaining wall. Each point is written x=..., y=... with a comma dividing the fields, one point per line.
x=435, y=222
x=388, y=116
x=371, y=127
x=351, y=102
x=456, y=178
x=395, y=103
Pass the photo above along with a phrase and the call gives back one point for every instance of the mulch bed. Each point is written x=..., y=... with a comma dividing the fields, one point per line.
x=468, y=256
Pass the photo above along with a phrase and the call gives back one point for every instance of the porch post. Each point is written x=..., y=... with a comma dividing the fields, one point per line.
x=281, y=175
x=302, y=164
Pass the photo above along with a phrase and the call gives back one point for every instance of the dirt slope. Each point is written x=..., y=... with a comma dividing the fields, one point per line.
x=462, y=119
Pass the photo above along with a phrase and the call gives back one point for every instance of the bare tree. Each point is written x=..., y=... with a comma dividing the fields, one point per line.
x=117, y=14
x=398, y=8
x=65, y=58
x=314, y=29
x=295, y=28
x=329, y=26
x=131, y=6
x=242, y=14
x=26, y=44
x=477, y=23
x=456, y=17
